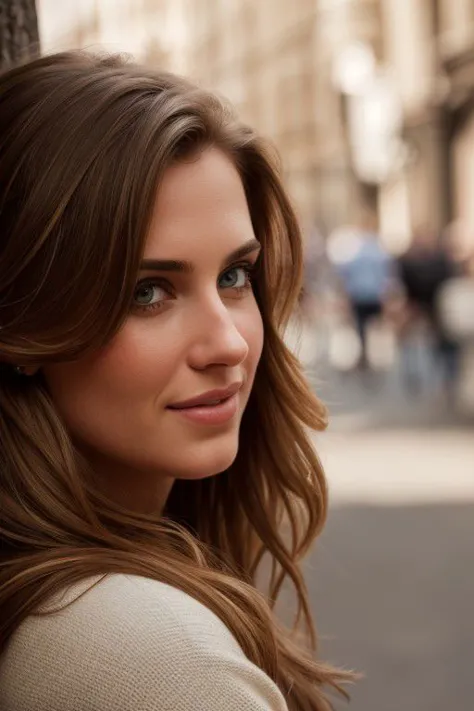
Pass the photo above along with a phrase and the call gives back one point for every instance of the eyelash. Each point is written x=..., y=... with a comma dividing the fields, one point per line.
x=250, y=269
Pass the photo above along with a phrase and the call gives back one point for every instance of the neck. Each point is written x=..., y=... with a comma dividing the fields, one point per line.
x=135, y=490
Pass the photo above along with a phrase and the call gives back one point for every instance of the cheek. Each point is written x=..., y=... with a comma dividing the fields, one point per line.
x=103, y=389
x=117, y=388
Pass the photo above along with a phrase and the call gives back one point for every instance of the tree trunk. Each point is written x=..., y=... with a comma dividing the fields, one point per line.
x=19, y=37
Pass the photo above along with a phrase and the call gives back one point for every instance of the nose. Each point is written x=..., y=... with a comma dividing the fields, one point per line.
x=217, y=339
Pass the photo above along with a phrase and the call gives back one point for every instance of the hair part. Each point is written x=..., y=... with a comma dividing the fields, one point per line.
x=84, y=143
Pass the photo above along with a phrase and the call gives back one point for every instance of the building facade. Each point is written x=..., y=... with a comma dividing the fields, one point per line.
x=429, y=48
x=369, y=102
x=274, y=60
x=456, y=48
x=152, y=31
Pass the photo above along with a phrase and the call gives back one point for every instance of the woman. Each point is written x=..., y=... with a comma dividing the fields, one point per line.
x=152, y=422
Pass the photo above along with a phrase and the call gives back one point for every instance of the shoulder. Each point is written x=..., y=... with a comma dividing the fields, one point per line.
x=131, y=643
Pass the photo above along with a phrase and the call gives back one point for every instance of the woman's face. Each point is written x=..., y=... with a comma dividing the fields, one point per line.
x=164, y=399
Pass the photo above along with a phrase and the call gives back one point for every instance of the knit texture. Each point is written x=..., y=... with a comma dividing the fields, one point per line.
x=130, y=644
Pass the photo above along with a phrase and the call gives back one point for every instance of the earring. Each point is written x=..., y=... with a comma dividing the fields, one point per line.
x=19, y=369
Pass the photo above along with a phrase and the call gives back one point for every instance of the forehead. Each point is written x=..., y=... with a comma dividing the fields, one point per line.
x=200, y=203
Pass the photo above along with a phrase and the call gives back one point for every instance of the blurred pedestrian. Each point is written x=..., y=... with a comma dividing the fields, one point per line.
x=366, y=273
x=455, y=305
x=424, y=269
x=152, y=442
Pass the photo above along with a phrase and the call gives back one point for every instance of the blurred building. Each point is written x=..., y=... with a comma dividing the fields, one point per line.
x=421, y=96
x=370, y=102
x=153, y=31
x=275, y=61
x=455, y=44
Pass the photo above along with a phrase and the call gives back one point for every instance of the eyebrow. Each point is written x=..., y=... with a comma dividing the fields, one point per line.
x=185, y=267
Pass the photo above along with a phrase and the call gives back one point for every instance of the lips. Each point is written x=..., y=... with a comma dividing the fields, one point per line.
x=207, y=399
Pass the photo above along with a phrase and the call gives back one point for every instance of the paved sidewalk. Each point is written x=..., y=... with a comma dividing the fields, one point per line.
x=393, y=467
x=393, y=591
x=392, y=578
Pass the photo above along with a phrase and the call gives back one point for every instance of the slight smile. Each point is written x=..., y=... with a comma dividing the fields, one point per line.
x=215, y=407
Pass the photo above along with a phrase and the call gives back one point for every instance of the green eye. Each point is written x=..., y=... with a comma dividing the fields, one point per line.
x=147, y=294
x=236, y=277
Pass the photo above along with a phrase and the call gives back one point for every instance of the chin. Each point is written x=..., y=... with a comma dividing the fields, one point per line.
x=206, y=459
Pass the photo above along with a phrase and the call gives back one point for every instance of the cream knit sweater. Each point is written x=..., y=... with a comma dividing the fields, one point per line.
x=131, y=644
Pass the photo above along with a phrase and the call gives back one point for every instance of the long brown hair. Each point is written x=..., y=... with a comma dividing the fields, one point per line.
x=84, y=142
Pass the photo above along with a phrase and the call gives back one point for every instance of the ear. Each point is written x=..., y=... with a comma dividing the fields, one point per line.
x=30, y=369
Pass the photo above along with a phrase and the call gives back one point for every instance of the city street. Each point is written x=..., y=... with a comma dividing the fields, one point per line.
x=392, y=578
x=163, y=136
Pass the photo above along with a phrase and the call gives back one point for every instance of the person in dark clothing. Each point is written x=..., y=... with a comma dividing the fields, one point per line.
x=423, y=271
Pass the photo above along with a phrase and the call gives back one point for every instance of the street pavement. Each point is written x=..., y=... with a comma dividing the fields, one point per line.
x=391, y=579
x=392, y=588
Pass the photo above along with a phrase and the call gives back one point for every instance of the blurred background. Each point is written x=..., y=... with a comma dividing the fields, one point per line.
x=371, y=105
